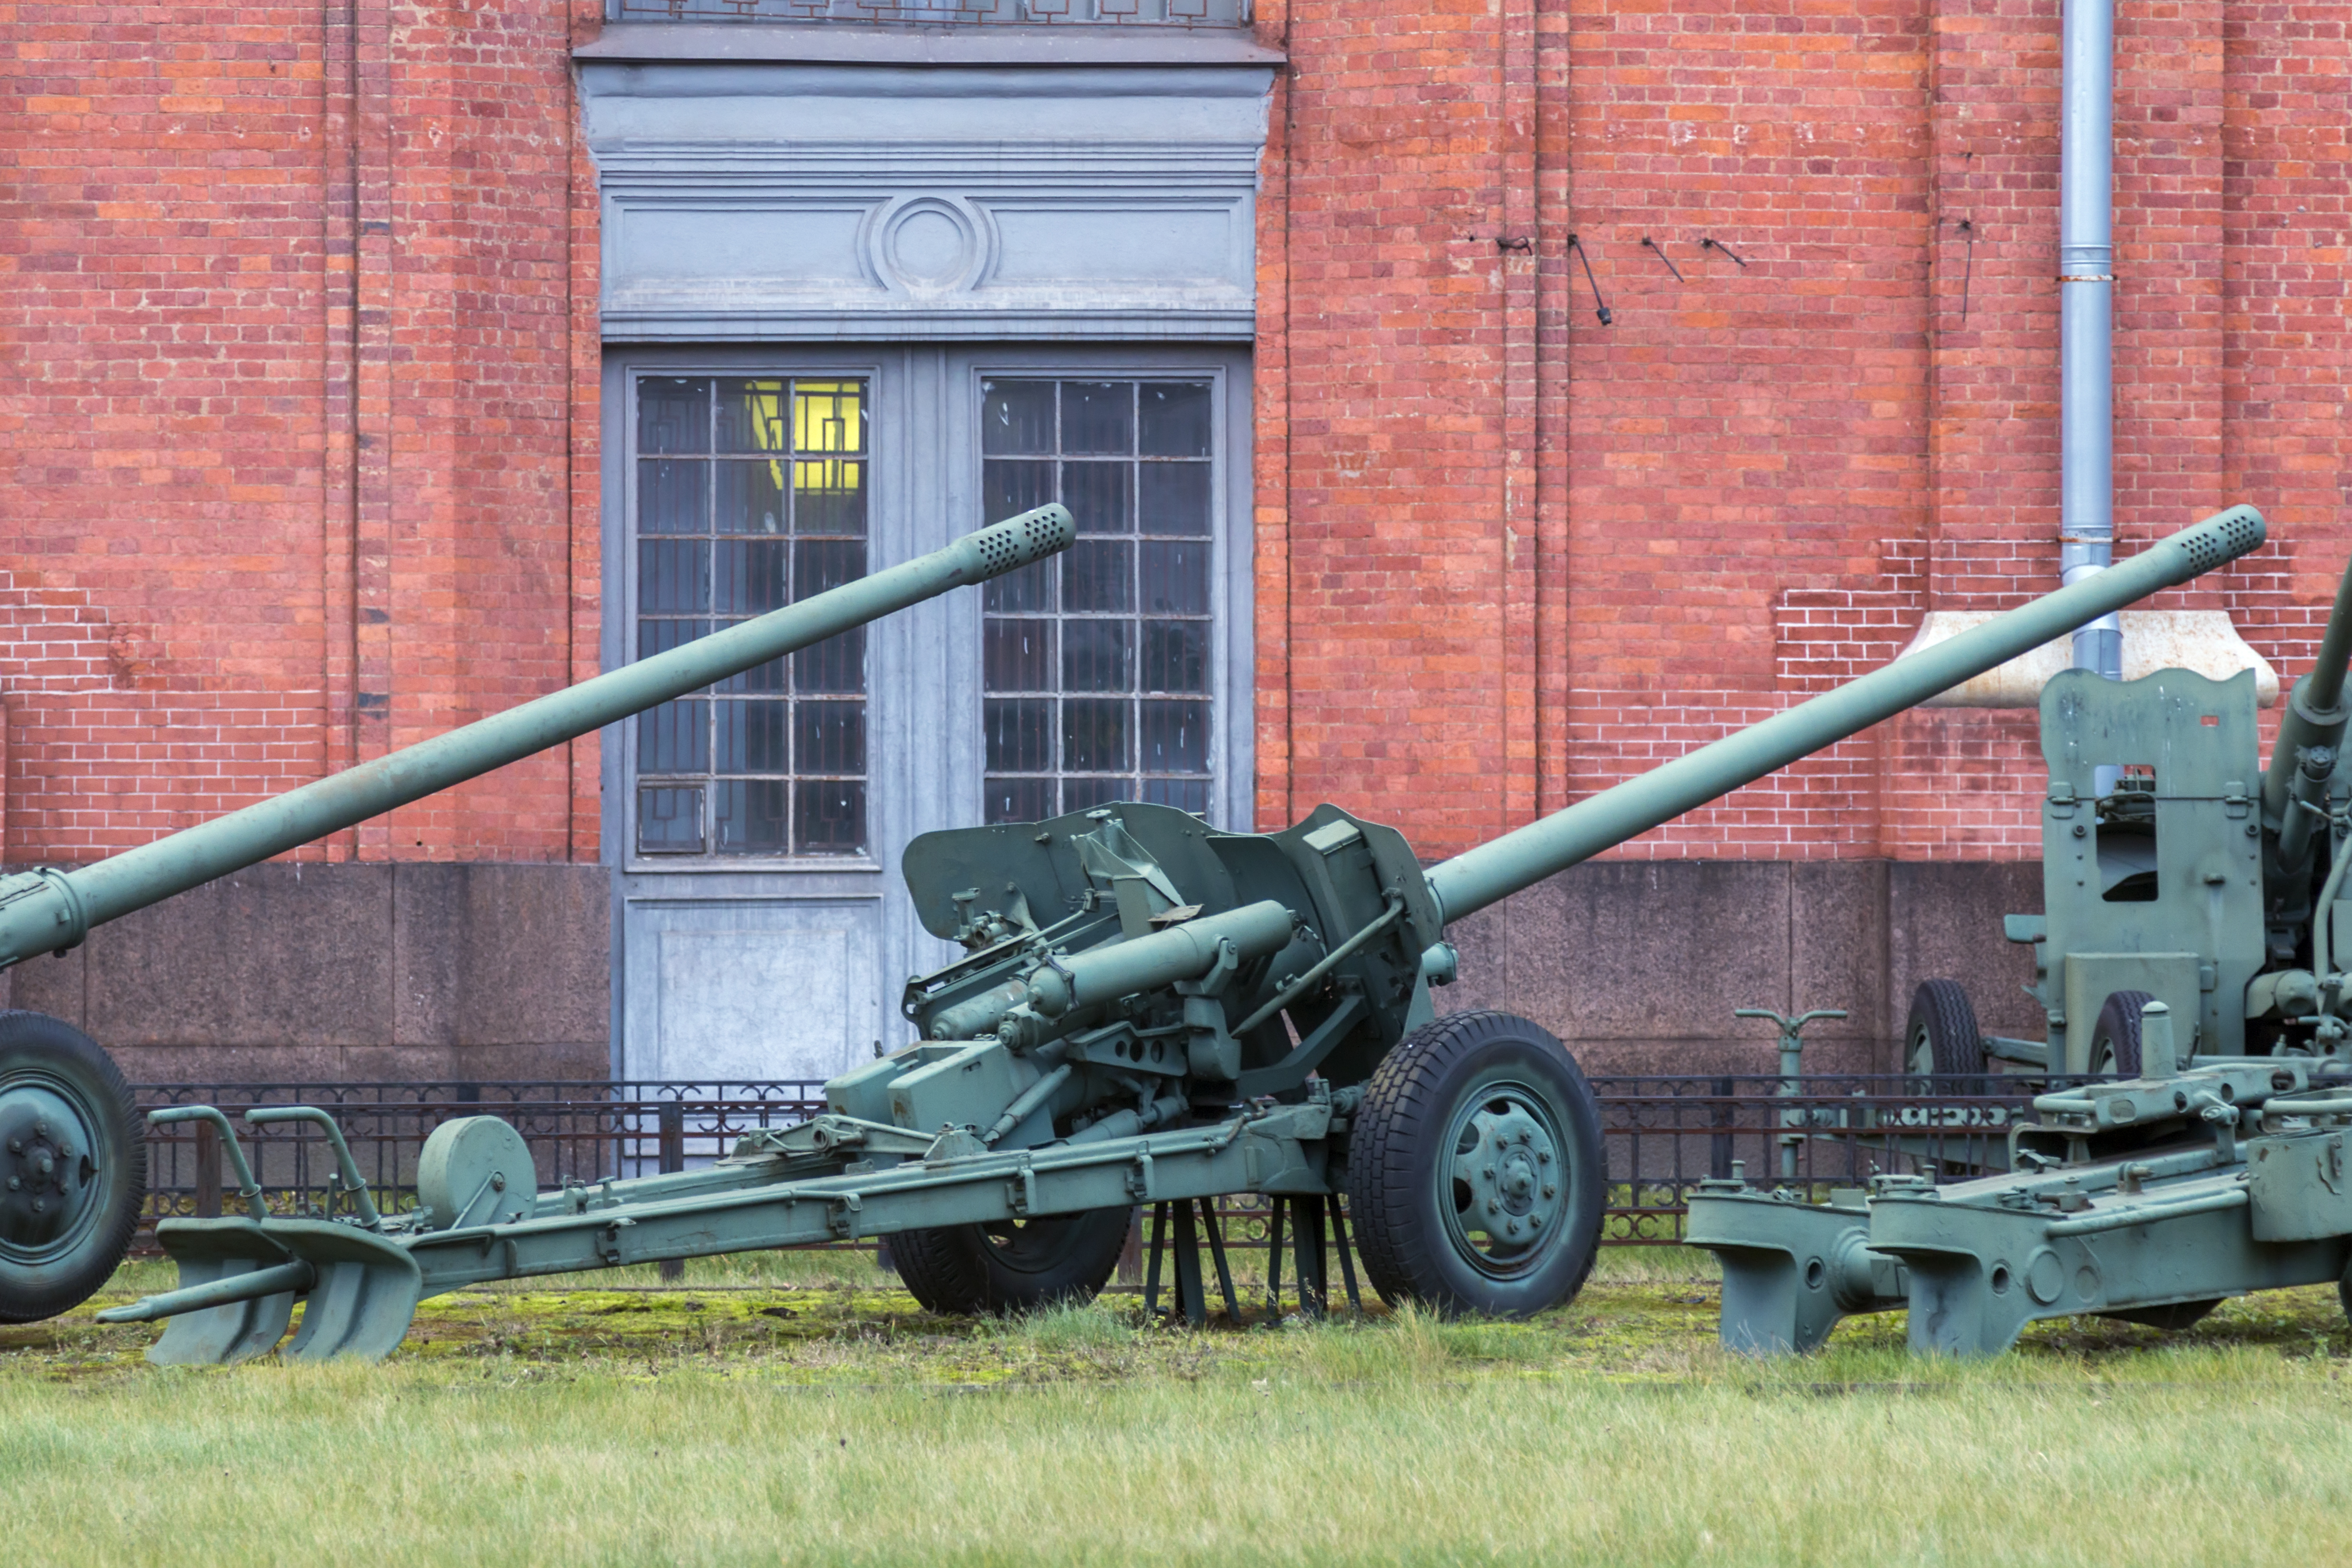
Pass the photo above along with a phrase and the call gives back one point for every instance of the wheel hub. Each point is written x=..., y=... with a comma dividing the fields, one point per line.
x=1506, y=1175
x=48, y=1174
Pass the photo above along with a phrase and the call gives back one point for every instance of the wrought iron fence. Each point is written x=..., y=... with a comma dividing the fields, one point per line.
x=1661, y=1136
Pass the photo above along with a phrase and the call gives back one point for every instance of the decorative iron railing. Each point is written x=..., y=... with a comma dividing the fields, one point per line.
x=1662, y=1135
x=949, y=13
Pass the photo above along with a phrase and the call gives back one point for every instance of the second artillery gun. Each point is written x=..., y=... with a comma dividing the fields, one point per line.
x=1148, y=1011
x=2194, y=943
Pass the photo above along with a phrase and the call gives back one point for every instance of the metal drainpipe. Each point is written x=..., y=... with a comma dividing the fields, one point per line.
x=2086, y=527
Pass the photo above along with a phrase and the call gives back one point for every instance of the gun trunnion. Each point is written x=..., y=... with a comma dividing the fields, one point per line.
x=1148, y=1010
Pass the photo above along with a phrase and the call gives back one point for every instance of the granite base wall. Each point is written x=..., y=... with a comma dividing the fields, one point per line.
x=369, y=971
x=497, y=971
x=1637, y=965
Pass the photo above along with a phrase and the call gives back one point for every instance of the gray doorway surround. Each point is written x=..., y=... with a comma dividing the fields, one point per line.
x=807, y=205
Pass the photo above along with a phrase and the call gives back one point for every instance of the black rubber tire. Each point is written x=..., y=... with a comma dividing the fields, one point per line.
x=1414, y=1244
x=2117, y=1033
x=44, y=1271
x=1943, y=1050
x=961, y=1271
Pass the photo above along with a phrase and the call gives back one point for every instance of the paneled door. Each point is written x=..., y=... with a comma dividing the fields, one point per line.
x=755, y=827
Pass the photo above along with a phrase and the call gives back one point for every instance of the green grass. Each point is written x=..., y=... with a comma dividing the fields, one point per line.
x=801, y=1409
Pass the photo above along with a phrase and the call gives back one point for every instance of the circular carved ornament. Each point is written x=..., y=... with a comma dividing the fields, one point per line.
x=929, y=245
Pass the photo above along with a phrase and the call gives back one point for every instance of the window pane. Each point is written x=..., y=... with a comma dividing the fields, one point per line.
x=829, y=497
x=829, y=737
x=751, y=737
x=1100, y=496
x=751, y=496
x=830, y=416
x=1175, y=578
x=750, y=579
x=1099, y=574
x=837, y=664
x=1016, y=416
x=1019, y=734
x=821, y=564
x=1184, y=794
x=1175, y=419
x=1017, y=656
x=829, y=816
x=1094, y=735
x=1096, y=657
x=670, y=737
x=661, y=636
x=673, y=414
x=673, y=576
x=670, y=496
x=1086, y=794
x=751, y=815
x=669, y=821
x=1019, y=800
x=1031, y=587
x=1175, y=656
x=1175, y=737
x=752, y=416
x=1008, y=487
x=1099, y=416
x=1175, y=498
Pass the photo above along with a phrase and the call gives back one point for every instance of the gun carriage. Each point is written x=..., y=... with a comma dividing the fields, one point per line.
x=1146, y=1011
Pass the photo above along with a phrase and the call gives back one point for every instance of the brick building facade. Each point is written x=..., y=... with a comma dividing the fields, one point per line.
x=329, y=349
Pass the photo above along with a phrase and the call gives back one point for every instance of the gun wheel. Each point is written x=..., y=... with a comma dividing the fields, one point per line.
x=73, y=1167
x=1943, y=1052
x=1474, y=1177
x=1014, y=1265
x=2114, y=1038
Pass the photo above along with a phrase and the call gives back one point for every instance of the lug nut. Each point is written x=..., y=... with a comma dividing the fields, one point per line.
x=15, y=1184
x=1550, y=1191
x=15, y=1145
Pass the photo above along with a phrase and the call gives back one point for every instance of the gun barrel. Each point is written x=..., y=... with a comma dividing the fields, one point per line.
x=1519, y=859
x=45, y=911
x=2315, y=716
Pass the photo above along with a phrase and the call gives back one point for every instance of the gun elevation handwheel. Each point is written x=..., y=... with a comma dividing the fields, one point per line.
x=1474, y=1177
x=73, y=1167
x=1015, y=1266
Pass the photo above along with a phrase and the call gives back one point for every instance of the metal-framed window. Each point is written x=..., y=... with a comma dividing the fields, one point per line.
x=752, y=493
x=1095, y=667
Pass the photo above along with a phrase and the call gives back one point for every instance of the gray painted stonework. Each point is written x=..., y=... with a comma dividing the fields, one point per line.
x=920, y=210
x=792, y=202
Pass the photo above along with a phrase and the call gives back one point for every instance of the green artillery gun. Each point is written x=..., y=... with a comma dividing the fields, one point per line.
x=2194, y=943
x=70, y=1144
x=1148, y=1011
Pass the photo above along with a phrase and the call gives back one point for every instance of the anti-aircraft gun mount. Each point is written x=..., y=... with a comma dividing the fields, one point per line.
x=2194, y=943
x=72, y=1153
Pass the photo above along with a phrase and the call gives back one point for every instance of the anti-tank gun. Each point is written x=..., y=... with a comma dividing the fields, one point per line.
x=1147, y=1011
x=71, y=1155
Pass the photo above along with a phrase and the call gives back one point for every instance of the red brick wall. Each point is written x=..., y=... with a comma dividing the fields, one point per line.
x=301, y=449
x=298, y=320
x=1857, y=426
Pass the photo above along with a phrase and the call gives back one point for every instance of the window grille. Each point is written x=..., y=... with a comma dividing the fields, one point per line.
x=1096, y=665
x=751, y=495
